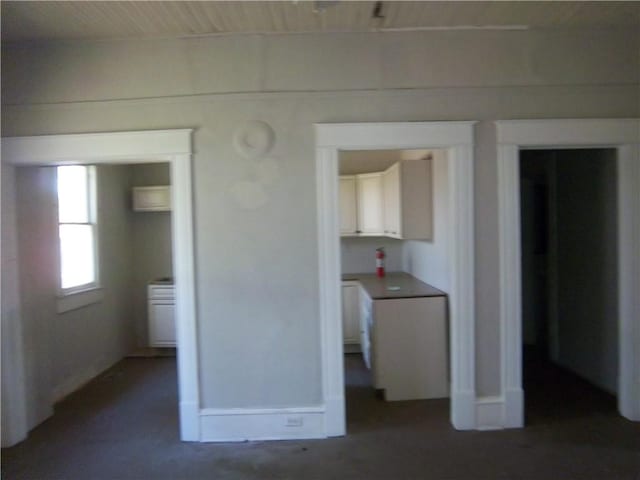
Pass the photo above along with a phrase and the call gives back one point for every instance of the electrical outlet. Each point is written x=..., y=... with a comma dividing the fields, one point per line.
x=294, y=421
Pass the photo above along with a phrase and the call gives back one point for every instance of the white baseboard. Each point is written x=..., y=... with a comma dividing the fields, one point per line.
x=513, y=408
x=490, y=413
x=463, y=410
x=498, y=412
x=189, y=422
x=335, y=417
x=240, y=424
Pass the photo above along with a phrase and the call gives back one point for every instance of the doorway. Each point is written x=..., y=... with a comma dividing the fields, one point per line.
x=173, y=146
x=569, y=246
x=622, y=136
x=394, y=203
x=457, y=139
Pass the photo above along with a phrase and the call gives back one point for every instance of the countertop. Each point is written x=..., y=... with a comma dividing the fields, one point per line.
x=393, y=285
x=162, y=281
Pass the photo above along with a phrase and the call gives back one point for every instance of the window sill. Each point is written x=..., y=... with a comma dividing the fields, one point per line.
x=74, y=301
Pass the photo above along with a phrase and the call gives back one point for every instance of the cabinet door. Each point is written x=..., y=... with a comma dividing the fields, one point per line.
x=391, y=195
x=369, y=187
x=348, y=223
x=350, y=314
x=152, y=199
x=365, y=318
x=162, y=326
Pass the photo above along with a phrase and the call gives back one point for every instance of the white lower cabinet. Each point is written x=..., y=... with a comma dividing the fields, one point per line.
x=162, y=324
x=366, y=321
x=351, y=316
x=409, y=348
x=404, y=344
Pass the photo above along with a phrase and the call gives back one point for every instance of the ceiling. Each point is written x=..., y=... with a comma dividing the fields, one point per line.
x=36, y=20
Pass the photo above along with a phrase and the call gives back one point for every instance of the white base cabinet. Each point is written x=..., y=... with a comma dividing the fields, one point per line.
x=162, y=323
x=366, y=322
x=404, y=344
x=351, y=316
x=409, y=348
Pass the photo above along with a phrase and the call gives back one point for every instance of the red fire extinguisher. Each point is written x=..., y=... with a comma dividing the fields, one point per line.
x=380, y=261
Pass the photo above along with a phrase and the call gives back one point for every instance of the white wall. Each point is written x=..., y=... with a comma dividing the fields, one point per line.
x=14, y=411
x=35, y=199
x=358, y=255
x=66, y=350
x=256, y=248
x=428, y=260
x=587, y=265
x=151, y=249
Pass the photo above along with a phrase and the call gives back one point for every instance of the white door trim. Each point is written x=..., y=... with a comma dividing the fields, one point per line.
x=173, y=146
x=515, y=135
x=457, y=138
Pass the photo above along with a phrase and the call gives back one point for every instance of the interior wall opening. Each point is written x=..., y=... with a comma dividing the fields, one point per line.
x=568, y=200
x=394, y=204
x=82, y=336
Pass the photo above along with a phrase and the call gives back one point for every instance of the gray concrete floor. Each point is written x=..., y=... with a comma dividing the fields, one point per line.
x=124, y=425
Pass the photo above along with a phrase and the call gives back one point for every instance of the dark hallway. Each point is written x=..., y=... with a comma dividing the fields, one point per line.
x=569, y=284
x=554, y=395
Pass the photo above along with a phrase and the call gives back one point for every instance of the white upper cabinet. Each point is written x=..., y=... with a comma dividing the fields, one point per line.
x=370, y=218
x=152, y=199
x=391, y=200
x=396, y=203
x=348, y=210
x=361, y=204
x=408, y=204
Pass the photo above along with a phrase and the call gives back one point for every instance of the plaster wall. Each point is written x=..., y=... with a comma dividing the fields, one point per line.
x=65, y=350
x=255, y=221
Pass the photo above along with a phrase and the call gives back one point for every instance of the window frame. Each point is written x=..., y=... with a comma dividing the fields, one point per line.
x=92, y=221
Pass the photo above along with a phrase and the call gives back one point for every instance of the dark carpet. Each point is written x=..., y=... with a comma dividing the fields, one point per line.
x=124, y=425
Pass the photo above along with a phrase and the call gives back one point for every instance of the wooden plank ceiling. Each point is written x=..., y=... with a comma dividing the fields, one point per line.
x=32, y=20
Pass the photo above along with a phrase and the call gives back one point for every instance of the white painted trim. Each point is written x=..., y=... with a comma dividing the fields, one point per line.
x=629, y=280
x=113, y=147
x=514, y=135
x=173, y=146
x=511, y=301
x=239, y=425
x=73, y=301
x=457, y=138
x=489, y=413
x=567, y=132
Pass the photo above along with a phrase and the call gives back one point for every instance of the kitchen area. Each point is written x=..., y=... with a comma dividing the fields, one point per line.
x=393, y=236
x=153, y=285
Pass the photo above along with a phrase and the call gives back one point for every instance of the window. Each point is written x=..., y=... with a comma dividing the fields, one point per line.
x=77, y=228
